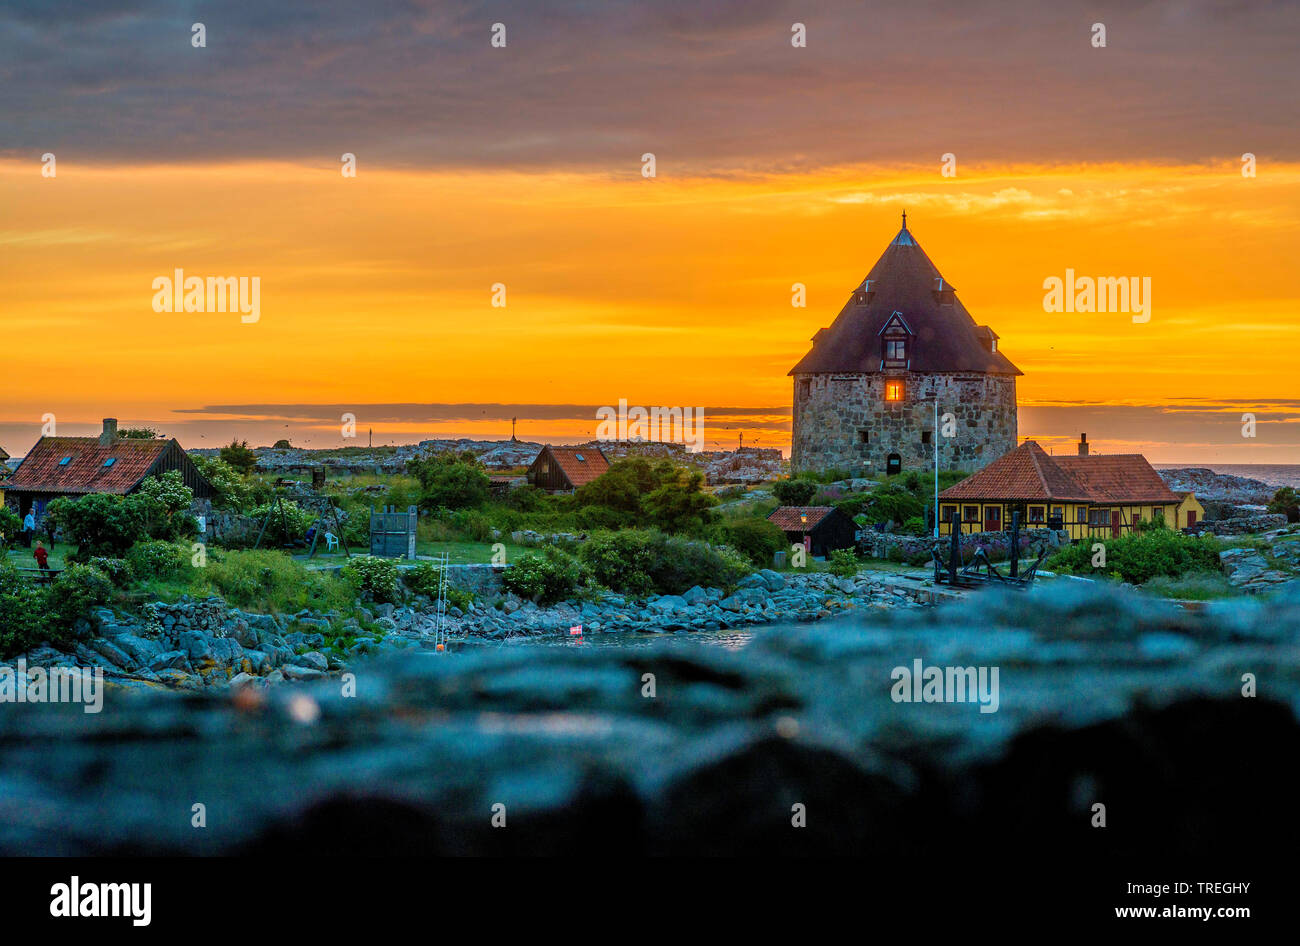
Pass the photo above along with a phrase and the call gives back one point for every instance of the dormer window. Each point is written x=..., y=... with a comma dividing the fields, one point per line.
x=944, y=294
x=862, y=295
x=895, y=342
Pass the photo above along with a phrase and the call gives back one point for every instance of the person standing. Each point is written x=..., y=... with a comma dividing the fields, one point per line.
x=29, y=528
x=42, y=556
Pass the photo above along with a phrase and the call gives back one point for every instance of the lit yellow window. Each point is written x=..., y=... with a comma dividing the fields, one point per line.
x=893, y=390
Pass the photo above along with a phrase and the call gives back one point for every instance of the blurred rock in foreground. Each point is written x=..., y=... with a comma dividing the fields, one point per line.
x=1103, y=698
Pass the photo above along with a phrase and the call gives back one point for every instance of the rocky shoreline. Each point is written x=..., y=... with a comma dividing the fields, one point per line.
x=1106, y=697
x=193, y=645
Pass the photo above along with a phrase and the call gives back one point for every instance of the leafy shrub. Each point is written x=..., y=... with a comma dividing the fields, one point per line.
x=233, y=491
x=375, y=577
x=117, y=570
x=11, y=527
x=472, y=525
x=915, y=526
x=239, y=457
x=21, y=608
x=1139, y=557
x=591, y=518
x=756, y=539
x=100, y=524
x=154, y=560
x=450, y=481
x=892, y=503
x=679, y=503
x=526, y=498
x=546, y=577
x=843, y=563
x=424, y=579
x=288, y=523
x=794, y=492
x=269, y=580
x=71, y=595
x=640, y=562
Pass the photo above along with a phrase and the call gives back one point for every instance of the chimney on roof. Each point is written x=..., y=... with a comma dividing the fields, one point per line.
x=1083, y=445
x=109, y=433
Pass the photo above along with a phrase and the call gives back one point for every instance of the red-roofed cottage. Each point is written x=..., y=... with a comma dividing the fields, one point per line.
x=1087, y=495
x=566, y=468
x=76, y=466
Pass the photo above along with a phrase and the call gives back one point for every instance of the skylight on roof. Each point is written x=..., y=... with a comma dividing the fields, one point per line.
x=110, y=461
x=65, y=461
x=578, y=457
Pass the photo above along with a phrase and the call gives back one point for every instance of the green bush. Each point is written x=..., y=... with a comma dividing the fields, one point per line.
x=634, y=492
x=100, y=524
x=794, y=492
x=71, y=595
x=641, y=562
x=450, y=481
x=1139, y=557
x=546, y=577
x=472, y=525
x=916, y=525
x=157, y=561
x=758, y=540
x=375, y=577
x=843, y=563
x=592, y=518
x=526, y=498
x=287, y=525
x=269, y=580
x=424, y=579
x=22, y=606
x=11, y=527
x=117, y=570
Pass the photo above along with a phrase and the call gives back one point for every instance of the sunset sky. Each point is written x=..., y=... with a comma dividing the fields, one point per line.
x=522, y=165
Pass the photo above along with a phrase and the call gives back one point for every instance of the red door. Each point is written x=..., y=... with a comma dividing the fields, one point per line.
x=992, y=518
x=1191, y=517
x=1114, y=523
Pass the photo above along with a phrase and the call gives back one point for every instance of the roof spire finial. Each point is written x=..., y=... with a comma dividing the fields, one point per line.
x=904, y=219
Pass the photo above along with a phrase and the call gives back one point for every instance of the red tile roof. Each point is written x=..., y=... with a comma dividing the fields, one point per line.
x=85, y=472
x=580, y=465
x=1119, y=477
x=1028, y=473
x=787, y=517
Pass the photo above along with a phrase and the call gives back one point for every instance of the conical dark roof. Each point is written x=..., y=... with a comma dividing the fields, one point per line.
x=945, y=337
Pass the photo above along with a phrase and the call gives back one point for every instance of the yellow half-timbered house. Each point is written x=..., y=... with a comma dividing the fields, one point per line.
x=1086, y=495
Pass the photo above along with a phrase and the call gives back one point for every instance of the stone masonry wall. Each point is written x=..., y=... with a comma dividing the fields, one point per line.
x=831, y=416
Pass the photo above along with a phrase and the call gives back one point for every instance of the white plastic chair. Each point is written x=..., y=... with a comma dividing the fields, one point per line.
x=331, y=541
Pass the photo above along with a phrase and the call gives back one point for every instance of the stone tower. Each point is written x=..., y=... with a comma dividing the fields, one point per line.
x=864, y=394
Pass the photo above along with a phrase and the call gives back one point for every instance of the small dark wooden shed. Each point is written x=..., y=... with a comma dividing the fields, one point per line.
x=828, y=527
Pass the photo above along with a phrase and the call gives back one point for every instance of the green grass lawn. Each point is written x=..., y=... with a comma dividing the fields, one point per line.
x=23, y=557
x=458, y=552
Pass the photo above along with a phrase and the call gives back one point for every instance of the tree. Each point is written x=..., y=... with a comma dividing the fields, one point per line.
x=100, y=523
x=239, y=456
x=450, y=481
x=794, y=492
x=164, y=503
x=139, y=433
x=680, y=504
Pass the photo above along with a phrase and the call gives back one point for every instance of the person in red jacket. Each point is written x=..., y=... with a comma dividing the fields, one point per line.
x=42, y=556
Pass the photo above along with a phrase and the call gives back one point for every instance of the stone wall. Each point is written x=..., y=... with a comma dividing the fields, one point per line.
x=995, y=544
x=834, y=411
x=1242, y=525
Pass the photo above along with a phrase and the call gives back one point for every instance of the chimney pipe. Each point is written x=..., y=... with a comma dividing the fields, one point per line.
x=1083, y=445
x=109, y=433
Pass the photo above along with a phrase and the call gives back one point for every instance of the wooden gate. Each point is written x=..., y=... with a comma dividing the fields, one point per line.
x=392, y=532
